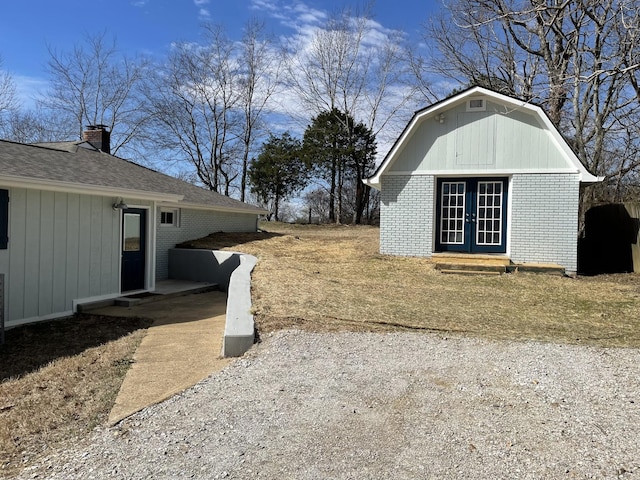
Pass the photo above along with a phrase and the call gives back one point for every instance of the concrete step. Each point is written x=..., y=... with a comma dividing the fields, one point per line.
x=148, y=297
x=471, y=272
x=548, y=268
x=471, y=259
x=145, y=297
x=470, y=267
x=87, y=307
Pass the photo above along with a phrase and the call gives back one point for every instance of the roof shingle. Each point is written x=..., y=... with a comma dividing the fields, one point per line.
x=74, y=163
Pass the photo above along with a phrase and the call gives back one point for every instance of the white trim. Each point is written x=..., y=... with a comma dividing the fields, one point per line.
x=509, y=214
x=169, y=199
x=175, y=212
x=153, y=218
x=150, y=257
x=482, y=173
x=482, y=108
x=60, y=186
x=507, y=101
x=252, y=210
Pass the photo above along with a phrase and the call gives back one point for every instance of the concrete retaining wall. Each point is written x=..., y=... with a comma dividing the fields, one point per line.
x=232, y=272
x=196, y=224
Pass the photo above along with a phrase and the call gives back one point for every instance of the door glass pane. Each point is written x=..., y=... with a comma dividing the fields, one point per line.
x=452, y=208
x=131, y=241
x=489, y=199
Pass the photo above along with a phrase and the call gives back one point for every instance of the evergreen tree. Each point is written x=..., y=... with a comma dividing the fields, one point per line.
x=341, y=151
x=278, y=172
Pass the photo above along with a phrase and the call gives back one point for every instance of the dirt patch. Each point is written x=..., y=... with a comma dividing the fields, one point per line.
x=59, y=380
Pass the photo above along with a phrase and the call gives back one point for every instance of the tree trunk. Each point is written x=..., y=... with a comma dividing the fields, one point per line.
x=332, y=193
x=276, y=203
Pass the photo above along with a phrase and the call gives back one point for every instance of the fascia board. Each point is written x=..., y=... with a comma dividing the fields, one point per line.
x=200, y=206
x=60, y=186
x=486, y=173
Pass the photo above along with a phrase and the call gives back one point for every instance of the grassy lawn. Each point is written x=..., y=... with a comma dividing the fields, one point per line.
x=58, y=380
x=332, y=278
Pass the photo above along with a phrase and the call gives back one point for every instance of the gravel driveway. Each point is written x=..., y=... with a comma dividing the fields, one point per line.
x=400, y=405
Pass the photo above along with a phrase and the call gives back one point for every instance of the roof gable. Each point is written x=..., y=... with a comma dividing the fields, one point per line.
x=430, y=122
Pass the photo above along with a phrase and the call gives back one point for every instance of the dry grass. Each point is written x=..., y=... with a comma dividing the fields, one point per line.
x=332, y=278
x=58, y=381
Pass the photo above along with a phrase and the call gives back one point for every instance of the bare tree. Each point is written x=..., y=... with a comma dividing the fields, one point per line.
x=33, y=126
x=208, y=102
x=316, y=204
x=579, y=59
x=192, y=100
x=350, y=67
x=258, y=80
x=94, y=84
x=8, y=98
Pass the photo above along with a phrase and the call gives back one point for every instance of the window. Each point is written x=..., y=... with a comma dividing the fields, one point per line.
x=169, y=217
x=476, y=105
x=4, y=219
x=132, y=234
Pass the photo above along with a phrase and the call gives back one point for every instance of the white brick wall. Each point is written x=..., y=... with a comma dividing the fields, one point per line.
x=196, y=224
x=543, y=224
x=406, y=215
x=544, y=219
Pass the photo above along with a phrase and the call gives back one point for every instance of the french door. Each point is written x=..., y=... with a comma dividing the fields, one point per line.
x=472, y=215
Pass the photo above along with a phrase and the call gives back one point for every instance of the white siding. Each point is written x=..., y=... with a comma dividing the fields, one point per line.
x=61, y=247
x=498, y=139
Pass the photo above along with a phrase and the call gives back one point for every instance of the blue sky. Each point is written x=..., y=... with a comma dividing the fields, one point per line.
x=150, y=26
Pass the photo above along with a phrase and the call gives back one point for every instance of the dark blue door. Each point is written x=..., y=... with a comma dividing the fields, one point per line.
x=134, y=226
x=471, y=215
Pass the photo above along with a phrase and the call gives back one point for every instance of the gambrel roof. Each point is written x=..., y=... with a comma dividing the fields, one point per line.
x=80, y=167
x=567, y=156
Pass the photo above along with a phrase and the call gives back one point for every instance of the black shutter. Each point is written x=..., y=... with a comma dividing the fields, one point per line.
x=4, y=218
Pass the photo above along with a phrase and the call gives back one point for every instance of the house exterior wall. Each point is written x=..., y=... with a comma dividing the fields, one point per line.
x=491, y=140
x=544, y=219
x=406, y=215
x=62, y=247
x=542, y=227
x=195, y=224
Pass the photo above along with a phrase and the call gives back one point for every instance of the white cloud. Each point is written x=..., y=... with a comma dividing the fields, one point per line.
x=303, y=22
x=203, y=13
x=28, y=89
x=264, y=5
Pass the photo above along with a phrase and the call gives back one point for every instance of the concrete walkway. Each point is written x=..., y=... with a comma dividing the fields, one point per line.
x=182, y=347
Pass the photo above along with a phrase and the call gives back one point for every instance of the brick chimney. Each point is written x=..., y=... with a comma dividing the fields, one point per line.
x=98, y=136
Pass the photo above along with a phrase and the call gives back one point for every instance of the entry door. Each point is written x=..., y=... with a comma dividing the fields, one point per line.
x=134, y=226
x=472, y=215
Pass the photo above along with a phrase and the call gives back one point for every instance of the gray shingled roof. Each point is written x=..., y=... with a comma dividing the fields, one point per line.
x=74, y=163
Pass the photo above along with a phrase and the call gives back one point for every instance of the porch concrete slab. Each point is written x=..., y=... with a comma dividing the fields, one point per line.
x=182, y=347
